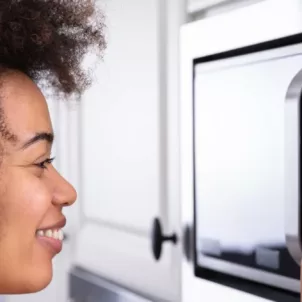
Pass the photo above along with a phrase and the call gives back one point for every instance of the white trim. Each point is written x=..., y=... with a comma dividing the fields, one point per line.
x=199, y=10
x=162, y=110
x=198, y=5
x=238, y=28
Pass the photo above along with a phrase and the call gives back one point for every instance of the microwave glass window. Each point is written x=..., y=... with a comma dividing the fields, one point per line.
x=239, y=162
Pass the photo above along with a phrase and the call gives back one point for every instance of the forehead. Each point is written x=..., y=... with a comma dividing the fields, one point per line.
x=24, y=107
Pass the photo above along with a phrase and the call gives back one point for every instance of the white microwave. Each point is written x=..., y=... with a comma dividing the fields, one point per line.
x=241, y=76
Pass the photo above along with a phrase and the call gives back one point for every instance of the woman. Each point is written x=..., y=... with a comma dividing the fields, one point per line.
x=41, y=42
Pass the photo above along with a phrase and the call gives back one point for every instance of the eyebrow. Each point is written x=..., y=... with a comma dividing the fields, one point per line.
x=42, y=136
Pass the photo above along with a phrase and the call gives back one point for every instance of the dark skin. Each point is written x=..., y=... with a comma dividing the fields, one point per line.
x=32, y=192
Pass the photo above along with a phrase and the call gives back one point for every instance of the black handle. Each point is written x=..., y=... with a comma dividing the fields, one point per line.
x=158, y=238
x=188, y=243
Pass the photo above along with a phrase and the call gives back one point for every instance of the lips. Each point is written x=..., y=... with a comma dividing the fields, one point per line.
x=51, y=236
x=53, y=245
x=58, y=225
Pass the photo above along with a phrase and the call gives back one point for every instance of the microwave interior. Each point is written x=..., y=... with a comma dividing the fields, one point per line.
x=239, y=102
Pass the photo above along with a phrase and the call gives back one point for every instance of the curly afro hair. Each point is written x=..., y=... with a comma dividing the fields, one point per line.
x=47, y=40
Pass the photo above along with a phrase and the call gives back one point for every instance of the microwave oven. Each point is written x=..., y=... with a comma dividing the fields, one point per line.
x=240, y=111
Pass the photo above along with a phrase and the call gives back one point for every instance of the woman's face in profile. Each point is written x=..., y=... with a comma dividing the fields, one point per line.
x=32, y=193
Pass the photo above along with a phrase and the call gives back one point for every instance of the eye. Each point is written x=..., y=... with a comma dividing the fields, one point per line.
x=45, y=163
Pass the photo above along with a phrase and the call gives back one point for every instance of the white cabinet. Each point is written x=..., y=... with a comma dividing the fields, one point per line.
x=126, y=141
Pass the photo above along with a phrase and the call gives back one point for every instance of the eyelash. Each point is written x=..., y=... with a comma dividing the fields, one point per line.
x=43, y=164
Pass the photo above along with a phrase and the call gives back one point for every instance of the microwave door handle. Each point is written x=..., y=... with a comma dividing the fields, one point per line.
x=292, y=168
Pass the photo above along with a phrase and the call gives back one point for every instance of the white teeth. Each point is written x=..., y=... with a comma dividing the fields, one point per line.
x=60, y=235
x=40, y=233
x=56, y=234
x=48, y=233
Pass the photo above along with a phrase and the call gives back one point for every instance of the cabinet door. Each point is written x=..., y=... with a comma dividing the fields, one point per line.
x=124, y=153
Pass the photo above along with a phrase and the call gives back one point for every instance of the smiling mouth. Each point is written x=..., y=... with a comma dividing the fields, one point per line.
x=55, y=234
x=51, y=239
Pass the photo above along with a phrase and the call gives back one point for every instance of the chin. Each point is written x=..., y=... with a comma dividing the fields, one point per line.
x=35, y=281
x=38, y=285
x=30, y=285
x=39, y=280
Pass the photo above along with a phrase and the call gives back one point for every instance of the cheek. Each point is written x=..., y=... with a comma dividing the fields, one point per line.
x=24, y=202
x=28, y=200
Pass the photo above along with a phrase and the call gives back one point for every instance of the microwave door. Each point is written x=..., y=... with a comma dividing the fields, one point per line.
x=246, y=165
x=292, y=168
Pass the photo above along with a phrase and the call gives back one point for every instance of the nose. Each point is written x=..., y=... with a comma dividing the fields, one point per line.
x=64, y=193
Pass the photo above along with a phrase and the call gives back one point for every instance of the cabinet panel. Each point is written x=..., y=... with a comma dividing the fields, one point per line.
x=120, y=121
x=124, y=146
